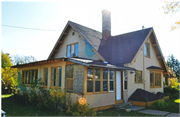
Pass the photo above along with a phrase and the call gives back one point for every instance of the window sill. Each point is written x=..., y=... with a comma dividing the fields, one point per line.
x=147, y=56
x=138, y=83
x=125, y=90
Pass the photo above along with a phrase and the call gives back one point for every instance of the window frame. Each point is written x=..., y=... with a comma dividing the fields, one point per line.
x=56, y=77
x=125, y=79
x=97, y=80
x=75, y=54
x=135, y=77
x=44, y=77
x=154, y=79
x=69, y=78
x=111, y=79
x=23, y=79
x=146, y=49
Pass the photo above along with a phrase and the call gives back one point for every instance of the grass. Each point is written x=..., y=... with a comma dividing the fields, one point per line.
x=12, y=108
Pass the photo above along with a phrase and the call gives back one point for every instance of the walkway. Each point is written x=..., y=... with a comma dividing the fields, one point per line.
x=152, y=112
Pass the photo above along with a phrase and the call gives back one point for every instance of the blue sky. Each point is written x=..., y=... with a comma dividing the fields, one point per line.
x=125, y=17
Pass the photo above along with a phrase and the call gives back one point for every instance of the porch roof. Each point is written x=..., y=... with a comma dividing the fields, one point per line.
x=98, y=63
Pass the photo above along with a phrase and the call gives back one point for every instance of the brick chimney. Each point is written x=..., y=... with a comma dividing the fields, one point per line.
x=106, y=24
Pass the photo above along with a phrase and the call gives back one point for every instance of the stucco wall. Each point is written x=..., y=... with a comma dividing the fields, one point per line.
x=138, y=64
x=98, y=100
x=84, y=50
x=78, y=78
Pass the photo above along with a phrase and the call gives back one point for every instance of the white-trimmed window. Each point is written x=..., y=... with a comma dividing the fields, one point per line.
x=146, y=50
x=111, y=80
x=105, y=79
x=125, y=80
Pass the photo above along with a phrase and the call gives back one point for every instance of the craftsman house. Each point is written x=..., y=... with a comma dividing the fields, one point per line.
x=105, y=69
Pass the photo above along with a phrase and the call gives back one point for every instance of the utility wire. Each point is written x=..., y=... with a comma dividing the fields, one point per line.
x=30, y=28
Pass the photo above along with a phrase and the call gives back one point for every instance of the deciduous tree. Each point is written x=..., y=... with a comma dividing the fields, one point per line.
x=5, y=60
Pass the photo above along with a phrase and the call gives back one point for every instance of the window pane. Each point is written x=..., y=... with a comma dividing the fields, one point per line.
x=105, y=83
x=138, y=77
x=105, y=74
x=69, y=72
x=145, y=50
x=53, y=76
x=24, y=77
x=68, y=51
x=111, y=85
x=125, y=85
x=69, y=84
x=46, y=77
x=59, y=76
x=27, y=74
x=89, y=86
x=72, y=50
x=97, y=73
x=77, y=48
x=151, y=79
x=159, y=79
x=31, y=75
x=97, y=86
x=36, y=74
x=111, y=76
x=90, y=74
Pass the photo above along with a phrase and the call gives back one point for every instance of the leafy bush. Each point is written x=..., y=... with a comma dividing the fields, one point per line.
x=77, y=109
x=171, y=92
x=160, y=104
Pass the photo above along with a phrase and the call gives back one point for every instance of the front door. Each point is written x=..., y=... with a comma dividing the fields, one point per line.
x=118, y=85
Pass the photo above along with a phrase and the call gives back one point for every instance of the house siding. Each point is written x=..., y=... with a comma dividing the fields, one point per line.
x=84, y=50
x=138, y=64
x=98, y=100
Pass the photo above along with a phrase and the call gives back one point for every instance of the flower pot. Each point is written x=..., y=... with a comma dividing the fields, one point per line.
x=128, y=109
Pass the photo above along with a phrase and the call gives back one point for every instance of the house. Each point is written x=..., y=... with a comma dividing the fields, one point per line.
x=104, y=69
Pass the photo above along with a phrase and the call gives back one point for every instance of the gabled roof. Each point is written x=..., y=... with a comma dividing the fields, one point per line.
x=122, y=48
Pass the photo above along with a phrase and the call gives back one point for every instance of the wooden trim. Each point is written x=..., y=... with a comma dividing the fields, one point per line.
x=22, y=77
x=85, y=81
x=156, y=72
x=119, y=101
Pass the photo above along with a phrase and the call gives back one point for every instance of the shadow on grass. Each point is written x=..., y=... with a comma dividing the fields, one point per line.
x=13, y=108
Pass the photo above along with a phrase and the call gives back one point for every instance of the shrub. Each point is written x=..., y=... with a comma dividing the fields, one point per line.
x=171, y=92
x=77, y=109
x=160, y=104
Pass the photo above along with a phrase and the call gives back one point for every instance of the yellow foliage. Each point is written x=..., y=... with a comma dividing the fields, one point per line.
x=9, y=76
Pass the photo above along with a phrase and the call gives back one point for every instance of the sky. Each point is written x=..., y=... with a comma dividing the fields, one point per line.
x=126, y=16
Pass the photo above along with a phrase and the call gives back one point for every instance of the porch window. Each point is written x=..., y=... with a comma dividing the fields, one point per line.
x=90, y=80
x=125, y=80
x=146, y=50
x=111, y=81
x=105, y=80
x=138, y=77
x=56, y=77
x=45, y=77
x=72, y=50
x=69, y=77
x=29, y=76
x=155, y=79
x=97, y=80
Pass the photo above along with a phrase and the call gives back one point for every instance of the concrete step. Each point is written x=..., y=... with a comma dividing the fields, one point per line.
x=121, y=105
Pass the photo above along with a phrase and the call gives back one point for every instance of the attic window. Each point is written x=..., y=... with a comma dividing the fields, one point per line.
x=146, y=50
x=72, y=50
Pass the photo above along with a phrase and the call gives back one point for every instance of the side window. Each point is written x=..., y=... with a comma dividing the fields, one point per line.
x=45, y=77
x=72, y=50
x=125, y=80
x=138, y=77
x=111, y=80
x=105, y=80
x=146, y=50
x=29, y=76
x=90, y=80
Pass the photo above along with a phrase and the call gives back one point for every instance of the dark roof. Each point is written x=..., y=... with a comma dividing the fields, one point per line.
x=154, y=67
x=143, y=96
x=123, y=48
x=160, y=95
x=97, y=63
x=92, y=36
